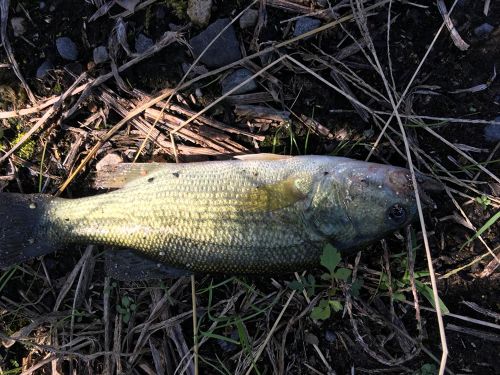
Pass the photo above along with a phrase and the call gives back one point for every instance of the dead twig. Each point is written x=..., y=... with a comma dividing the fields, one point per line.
x=490, y=336
x=4, y=9
x=455, y=36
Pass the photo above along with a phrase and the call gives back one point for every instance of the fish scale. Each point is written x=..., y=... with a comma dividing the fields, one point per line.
x=195, y=218
x=253, y=216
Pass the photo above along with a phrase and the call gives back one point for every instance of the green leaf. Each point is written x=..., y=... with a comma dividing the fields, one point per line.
x=429, y=295
x=330, y=258
x=326, y=277
x=336, y=305
x=342, y=274
x=126, y=301
x=126, y=317
x=296, y=285
x=428, y=369
x=311, y=289
x=356, y=287
x=420, y=274
x=483, y=229
x=399, y=297
x=384, y=282
x=120, y=309
x=322, y=311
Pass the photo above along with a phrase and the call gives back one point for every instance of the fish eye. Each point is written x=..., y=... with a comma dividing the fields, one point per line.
x=397, y=213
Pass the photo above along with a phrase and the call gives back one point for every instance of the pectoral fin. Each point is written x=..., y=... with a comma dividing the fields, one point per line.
x=281, y=194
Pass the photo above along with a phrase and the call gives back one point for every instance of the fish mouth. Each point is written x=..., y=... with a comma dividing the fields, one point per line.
x=426, y=185
x=401, y=181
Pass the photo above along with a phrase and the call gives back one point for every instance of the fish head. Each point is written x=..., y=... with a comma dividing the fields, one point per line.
x=362, y=202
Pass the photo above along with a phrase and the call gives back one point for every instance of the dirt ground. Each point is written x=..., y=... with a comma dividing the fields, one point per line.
x=60, y=314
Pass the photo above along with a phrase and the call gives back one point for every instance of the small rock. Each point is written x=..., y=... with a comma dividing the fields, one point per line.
x=18, y=27
x=492, y=131
x=128, y=4
x=43, y=69
x=66, y=48
x=109, y=159
x=496, y=99
x=305, y=24
x=249, y=18
x=228, y=346
x=143, y=43
x=199, y=11
x=483, y=30
x=235, y=78
x=223, y=51
x=100, y=54
x=330, y=336
x=311, y=339
x=196, y=71
x=160, y=13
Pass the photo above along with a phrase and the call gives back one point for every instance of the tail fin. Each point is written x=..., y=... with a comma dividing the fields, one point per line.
x=22, y=233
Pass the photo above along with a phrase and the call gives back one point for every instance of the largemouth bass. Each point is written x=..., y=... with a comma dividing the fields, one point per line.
x=243, y=217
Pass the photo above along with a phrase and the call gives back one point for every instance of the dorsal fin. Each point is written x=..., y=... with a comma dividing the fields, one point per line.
x=262, y=156
x=115, y=176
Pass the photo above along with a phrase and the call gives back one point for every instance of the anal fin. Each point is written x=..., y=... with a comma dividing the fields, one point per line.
x=128, y=265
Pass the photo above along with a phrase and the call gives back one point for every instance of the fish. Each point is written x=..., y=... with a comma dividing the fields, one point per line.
x=263, y=215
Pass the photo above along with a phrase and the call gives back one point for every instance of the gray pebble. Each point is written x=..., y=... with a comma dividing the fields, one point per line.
x=330, y=336
x=492, y=131
x=249, y=18
x=143, y=43
x=100, y=54
x=199, y=11
x=160, y=13
x=18, y=27
x=496, y=99
x=305, y=24
x=128, y=4
x=43, y=69
x=228, y=346
x=66, y=48
x=482, y=31
x=223, y=51
x=235, y=78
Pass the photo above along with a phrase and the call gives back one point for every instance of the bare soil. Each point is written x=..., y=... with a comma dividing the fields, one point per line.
x=254, y=303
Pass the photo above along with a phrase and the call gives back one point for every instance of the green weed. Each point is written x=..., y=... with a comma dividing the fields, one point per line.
x=402, y=284
x=484, y=201
x=483, y=229
x=427, y=369
x=330, y=260
x=126, y=308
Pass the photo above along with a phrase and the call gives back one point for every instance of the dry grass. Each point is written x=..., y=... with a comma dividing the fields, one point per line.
x=60, y=314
